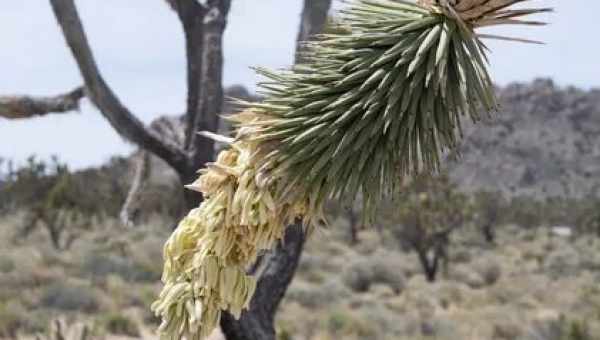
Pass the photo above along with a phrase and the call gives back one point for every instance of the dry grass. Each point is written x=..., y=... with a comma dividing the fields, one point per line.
x=530, y=286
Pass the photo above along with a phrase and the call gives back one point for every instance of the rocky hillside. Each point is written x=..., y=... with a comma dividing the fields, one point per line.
x=545, y=142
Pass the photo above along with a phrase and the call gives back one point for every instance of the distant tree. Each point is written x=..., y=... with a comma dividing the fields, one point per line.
x=57, y=206
x=203, y=23
x=488, y=207
x=423, y=216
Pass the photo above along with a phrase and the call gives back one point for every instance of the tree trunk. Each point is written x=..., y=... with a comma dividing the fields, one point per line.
x=276, y=273
x=280, y=265
x=429, y=266
x=489, y=233
x=312, y=21
x=354, y=221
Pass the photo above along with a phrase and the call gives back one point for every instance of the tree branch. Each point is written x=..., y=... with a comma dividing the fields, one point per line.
x=210, y=99
x=314, y=18
x=130, y=208
x=121, y=119
x=191, y=15
x=19, y=107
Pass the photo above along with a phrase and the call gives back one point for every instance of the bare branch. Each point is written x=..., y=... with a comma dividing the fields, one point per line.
x=168, y=128
x=121, y=119
x=314, y=17
x=130, y=209
x=210, y=100
x=20, y=107
x=191, y=15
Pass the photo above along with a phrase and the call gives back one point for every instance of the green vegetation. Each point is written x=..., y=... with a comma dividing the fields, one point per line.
x=369, y=287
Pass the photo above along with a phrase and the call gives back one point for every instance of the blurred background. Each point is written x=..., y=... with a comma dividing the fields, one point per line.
x=504, y=244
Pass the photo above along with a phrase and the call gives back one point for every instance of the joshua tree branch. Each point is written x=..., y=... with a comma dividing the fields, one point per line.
x=98, y=91
x=210, y=99
x=131, y=205
x=19, y=107
x=312, y=21
x=191, y=15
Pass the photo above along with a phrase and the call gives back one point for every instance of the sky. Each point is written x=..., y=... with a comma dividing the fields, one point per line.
x=140, y=50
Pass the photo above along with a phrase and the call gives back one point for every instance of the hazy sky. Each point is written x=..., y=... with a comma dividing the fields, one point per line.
x=139, y=47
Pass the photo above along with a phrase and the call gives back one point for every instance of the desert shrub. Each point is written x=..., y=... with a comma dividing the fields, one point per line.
x=12, y=319
x=388, y=271
x=590, y=262
x=119, y=324
x=526, y=212
x=69, y=297
x=284, y=334
x=7, y=264
x=563, y=262
x=344, y=322
x=99, y=266
x=308, y=295
x=576, y=329
x=461, y=256
x=358, y=275
x=314, y=295
x=361, y=273
x=313, y=263
x=489, y=269
x=546, y=329
x=507, y=330
x=338, y=320
x=467, y=275
x=439, y=328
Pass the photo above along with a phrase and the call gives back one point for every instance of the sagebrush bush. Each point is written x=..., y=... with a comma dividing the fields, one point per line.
x=7, y=264
x=12, y=319
x=99, y=266
x=563, y=262
x=69, y=297
x=119, y=324
x=381, y=267
x=358, y=275
x=308, y=295
x=467, y=275
x=342, y=322
x=489, y=269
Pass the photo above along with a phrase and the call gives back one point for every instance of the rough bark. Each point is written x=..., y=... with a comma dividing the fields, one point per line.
x=191, y=15
x=280, y=265
x=275, y=274
x=19, y=107
x=312, y=21
x=210, y=99
x=130, y=210
x=120, y=118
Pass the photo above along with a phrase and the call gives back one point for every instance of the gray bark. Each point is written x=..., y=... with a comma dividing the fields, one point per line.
x=312, y=21
x=98, y=91
x=19, y=107
x=276, y=273
x=280, y=265
x=130, y=209
x=210, y=98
